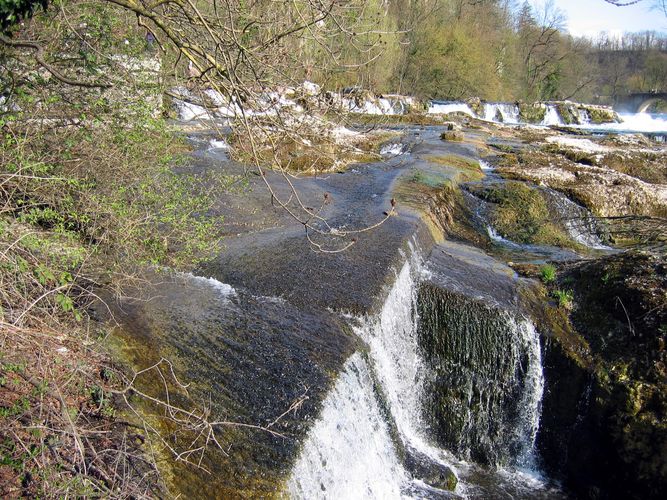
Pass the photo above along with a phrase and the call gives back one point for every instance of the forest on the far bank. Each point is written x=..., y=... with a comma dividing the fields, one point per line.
x=498, y=50
x=494, y=49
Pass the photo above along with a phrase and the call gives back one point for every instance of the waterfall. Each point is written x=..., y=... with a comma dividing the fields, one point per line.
x=551, y=117
x=349, y=452
x=579, y=222
x=446, y=107
x=530, y=405
x=508, y=113
x=368, y=106
x=486, y=386
x=375, y=438
x=583, y=116
x=392, y=339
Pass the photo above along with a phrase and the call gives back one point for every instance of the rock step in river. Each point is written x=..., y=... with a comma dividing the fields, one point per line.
x=417, y=371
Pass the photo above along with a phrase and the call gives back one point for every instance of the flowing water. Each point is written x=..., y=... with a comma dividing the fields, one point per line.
x=507, y=112
x=653, y=125
x=446, y=107
x=551, y=117
x=375, y=437
x=349, y=453
x=579, y=222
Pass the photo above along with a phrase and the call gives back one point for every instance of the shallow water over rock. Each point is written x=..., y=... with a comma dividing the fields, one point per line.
x=416, y=367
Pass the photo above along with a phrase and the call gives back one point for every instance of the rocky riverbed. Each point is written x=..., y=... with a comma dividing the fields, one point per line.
x=266, y=331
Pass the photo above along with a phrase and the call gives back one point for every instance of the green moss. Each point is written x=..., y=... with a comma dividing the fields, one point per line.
x=532, y=113
x=602, y=115
x=521, y=214
x=566, y=113
x=466, y=170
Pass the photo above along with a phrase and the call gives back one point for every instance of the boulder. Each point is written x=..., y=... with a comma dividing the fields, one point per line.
x=452, y=136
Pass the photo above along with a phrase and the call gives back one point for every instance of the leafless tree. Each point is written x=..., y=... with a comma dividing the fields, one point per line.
x=242, y=56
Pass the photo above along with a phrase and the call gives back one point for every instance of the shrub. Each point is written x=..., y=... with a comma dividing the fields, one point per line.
x=564, y=298
x=548, y=273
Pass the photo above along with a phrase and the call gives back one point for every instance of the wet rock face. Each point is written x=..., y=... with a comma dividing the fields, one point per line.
x=250, y=358
x=603, y=426
x=479, y=366
x=433, y=474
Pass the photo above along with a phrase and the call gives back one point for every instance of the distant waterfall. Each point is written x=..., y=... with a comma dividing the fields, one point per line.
x=551, y=116
x=501, y=112
x=445, y=107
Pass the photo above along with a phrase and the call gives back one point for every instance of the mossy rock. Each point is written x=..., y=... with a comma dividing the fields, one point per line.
x=532, y=113
x=566, y=113
x=521, y=214
x=452, y=136
x=616, y=443
x=600, y=114
x=476, y=105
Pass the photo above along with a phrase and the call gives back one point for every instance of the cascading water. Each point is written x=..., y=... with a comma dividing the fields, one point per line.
x=351, y=424
x=486, y=386
x=374, y=437
x=579, y=222
x=445, y=107
x=349, y=452
x=530, y=404
x=583, y=116
x=501, y=112
x=551, y=116
x=391, y=337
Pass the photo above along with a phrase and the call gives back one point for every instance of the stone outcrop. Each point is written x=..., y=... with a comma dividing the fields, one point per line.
x=532, y=112
x=603, y=427
x=569, y=166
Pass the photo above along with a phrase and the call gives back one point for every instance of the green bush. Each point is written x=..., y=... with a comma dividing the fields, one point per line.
x=564, y=298
x=548, y=273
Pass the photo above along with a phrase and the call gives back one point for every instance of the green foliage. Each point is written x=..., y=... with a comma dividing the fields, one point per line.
x=548, y=273
x=13, y=11
x=565, y=298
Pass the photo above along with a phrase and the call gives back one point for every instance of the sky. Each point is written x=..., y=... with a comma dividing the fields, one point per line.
x=591, y=17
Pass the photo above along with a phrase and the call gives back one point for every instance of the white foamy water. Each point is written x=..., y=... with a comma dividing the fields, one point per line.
x=508, y=112
x=218, y=144
x=495, y=236
x=380, y=106
x=223, y=288
x=392, y=338
x=485, y=166
x=633, y=123
x=450, y=107
x=349, y=452
x=531, y=398
x=394, y=149
x=579, y=222
x=551, y=117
